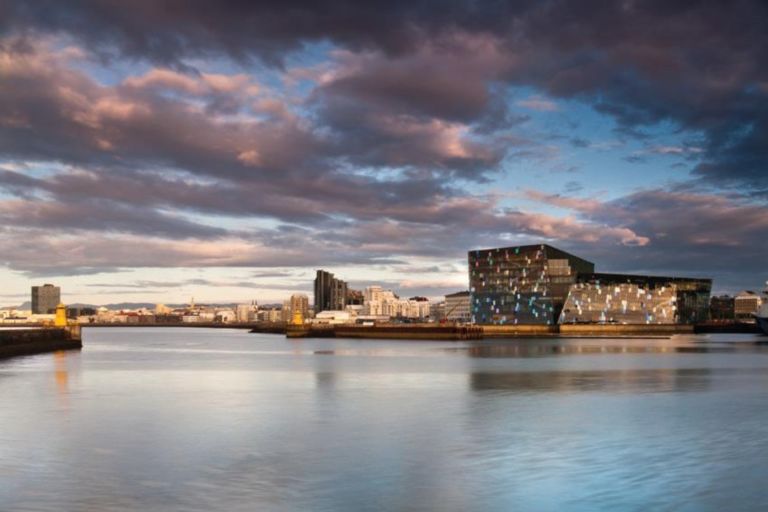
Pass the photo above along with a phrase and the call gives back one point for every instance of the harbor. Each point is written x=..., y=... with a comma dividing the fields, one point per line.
x=193, y=419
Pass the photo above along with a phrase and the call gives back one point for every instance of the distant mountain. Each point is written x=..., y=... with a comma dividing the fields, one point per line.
x=26, y=305
x=122, y=305
x=130, y=305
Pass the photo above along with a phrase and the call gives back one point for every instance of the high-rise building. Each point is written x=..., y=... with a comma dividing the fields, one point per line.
x=635, y=299
x=521, y=285
x=330, y=293
x=45, y=299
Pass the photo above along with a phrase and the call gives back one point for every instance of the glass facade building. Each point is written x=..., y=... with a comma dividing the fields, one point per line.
x=522, y=285
x=635, y=299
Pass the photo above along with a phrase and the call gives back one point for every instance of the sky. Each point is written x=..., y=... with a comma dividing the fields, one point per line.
x=159, y=151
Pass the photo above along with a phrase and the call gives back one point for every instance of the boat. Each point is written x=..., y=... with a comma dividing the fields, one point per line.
x=761, y=317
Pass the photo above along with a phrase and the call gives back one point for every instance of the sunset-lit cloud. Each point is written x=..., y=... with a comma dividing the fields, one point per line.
x=234, y=139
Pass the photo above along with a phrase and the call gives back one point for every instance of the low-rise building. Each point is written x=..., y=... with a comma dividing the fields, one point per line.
x=722, y=308
x=246, y=312
x=745, y=305
x=333, y=317
x=225, y=316
x=457, y=307
x=271, y=315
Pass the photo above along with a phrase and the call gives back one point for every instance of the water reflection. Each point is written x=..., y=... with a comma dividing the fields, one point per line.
x=624, y=381
x=61, y=373
x=542, y=348
x=325, y=380
x=196, y=419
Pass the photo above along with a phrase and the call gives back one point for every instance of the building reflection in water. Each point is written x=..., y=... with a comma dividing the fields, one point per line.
x=544, y=349
x=325, y=380
x=614, y=381
x=573, y=380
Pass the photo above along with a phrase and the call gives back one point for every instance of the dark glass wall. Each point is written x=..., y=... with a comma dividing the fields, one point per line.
x=521, y=285
x=635, y=299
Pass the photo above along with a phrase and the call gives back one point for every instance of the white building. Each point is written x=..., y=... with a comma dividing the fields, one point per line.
x=746, y=304
x=379, y=302
x=270, y=315
x=333, y=317
x=225, y=316
x=162, y=309
x=246, y=312
x=457, y=307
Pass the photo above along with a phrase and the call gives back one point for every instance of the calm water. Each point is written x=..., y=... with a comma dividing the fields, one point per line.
x=194, y=419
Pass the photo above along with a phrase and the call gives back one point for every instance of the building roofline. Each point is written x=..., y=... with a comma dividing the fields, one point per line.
x=530, y=247
x=617, y=276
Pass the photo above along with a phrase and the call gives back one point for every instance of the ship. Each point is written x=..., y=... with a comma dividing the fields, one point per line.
x=761, y=317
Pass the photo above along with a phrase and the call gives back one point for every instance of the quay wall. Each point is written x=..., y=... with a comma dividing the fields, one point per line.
x=410, y=332
x=393, y=332
x=624, y=329
x=526, y=330
x=20, y=342
x=478, y=332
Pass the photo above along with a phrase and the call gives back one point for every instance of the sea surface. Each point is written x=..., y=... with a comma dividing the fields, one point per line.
x=166, y=419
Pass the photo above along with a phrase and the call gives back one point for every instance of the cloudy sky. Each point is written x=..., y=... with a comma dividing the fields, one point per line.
x=224, y=150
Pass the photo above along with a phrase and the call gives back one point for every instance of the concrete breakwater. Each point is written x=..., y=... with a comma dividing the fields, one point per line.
x=585, y=330
x=20, y=342
x=392, y=332
x=478, y=332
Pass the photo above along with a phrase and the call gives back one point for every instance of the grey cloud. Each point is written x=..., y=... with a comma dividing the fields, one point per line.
x=698, y=67
x=97, y=215
x=696, y=234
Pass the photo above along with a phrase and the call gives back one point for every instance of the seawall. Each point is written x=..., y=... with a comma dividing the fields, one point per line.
x=511, y=331
x=478, y=332
x=586, y=330
x=618, y=330
x=390, y=332
x=19, y=342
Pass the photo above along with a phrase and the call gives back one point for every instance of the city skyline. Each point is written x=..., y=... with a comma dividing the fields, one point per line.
x=155, y=155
